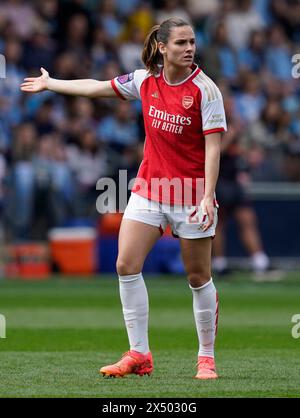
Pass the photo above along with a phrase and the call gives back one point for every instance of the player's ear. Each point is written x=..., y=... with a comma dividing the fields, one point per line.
x=162, y=48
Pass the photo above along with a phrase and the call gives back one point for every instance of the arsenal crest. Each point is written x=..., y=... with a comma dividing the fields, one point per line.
x=187, y=101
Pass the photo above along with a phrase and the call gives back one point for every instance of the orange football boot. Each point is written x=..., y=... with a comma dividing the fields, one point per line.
x=206, y=368
x=132, y=362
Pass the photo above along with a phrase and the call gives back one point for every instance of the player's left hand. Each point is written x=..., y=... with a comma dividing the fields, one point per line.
x=208, y=210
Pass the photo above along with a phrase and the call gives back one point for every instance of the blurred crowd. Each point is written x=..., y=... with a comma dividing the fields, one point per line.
x=54, y=148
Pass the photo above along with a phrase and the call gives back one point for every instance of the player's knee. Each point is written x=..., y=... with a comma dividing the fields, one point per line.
x=127, y=267
x=198, y=279
x=247, y=218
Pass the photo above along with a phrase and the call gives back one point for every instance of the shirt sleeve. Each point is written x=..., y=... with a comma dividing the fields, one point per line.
x=128, y=86
x=213, y=113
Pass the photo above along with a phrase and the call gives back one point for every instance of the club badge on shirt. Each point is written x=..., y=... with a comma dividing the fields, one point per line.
x=187, y=101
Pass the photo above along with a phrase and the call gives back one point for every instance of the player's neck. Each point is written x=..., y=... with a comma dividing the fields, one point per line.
x=174, y=75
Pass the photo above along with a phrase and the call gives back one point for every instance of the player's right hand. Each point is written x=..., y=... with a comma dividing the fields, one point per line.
x=36, y=84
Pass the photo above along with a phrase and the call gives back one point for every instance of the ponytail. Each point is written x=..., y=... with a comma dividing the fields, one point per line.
x=151, y=56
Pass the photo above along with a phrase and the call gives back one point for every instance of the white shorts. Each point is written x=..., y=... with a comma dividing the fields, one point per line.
x=186, y=222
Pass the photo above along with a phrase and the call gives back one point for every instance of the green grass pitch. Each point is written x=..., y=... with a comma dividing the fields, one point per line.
x=61, y=331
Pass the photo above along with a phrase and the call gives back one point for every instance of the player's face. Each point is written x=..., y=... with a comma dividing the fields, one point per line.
x=180, y=48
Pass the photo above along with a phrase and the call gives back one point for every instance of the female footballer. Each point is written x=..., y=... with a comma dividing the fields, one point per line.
x=184, y=118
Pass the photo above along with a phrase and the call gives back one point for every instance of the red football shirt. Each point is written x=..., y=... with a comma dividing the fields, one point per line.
x=176, y=119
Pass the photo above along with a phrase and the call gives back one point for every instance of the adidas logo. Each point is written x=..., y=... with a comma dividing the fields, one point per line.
x=155, y=94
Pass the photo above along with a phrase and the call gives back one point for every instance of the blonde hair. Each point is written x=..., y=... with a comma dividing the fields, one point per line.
x=151, y=56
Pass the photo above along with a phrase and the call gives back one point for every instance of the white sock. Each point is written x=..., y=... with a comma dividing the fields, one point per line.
x=205, y=305
x=219, y=263
x=260, y=261
x=134, y=298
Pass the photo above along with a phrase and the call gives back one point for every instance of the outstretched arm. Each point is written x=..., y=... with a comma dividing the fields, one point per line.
x=88, y=88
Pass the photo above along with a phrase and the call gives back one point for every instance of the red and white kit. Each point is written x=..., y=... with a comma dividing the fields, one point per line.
x=176, y=117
